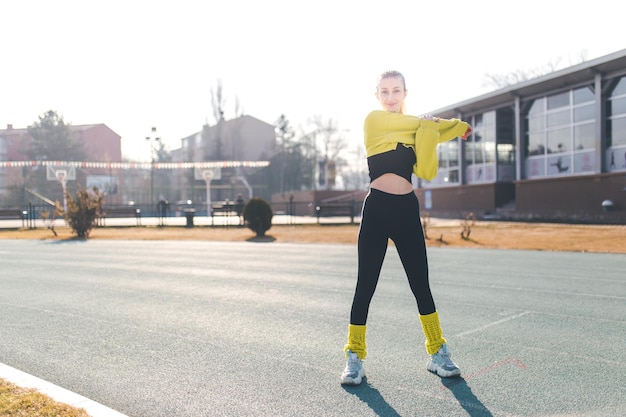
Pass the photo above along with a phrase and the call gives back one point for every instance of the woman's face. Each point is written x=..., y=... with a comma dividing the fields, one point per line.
x=391, y=94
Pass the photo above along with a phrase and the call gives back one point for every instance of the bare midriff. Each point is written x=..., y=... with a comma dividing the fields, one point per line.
x=392, y=184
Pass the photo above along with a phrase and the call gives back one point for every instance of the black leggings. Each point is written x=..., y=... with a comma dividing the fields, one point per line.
x=396, y=217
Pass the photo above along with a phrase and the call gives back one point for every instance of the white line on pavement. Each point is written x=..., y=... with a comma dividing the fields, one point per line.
x=481, y=328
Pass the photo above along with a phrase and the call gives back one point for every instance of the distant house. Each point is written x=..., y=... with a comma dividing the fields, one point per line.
x=101, y=144
x=244, y=138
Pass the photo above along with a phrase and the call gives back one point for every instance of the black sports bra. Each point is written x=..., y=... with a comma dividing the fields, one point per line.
x=400, y=161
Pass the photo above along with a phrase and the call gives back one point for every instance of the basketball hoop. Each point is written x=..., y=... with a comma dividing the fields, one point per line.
x=208, y=174
x=61, y=175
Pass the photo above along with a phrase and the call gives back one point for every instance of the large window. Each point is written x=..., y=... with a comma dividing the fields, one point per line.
x=480, y=149
x=560, y=134
x=616, y=127
x=490, y=150
x=3, y=151
x=505, y=144
x=448, y=174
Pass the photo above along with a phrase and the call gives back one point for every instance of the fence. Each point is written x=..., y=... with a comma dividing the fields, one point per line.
x=292, y=213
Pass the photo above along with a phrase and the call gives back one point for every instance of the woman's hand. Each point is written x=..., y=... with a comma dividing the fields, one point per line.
x=430, y=117
x=467, y=132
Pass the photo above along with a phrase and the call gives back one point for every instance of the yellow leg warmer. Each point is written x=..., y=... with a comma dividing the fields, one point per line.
x=432, y=331
x=356, y=341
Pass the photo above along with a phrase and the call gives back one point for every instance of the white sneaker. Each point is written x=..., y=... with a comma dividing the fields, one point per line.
x=354, y=372
x=441, y=364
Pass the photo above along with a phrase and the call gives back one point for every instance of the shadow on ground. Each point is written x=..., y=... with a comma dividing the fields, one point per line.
x=373, y=398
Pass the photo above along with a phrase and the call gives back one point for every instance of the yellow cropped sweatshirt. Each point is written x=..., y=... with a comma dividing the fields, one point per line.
x=384, y=130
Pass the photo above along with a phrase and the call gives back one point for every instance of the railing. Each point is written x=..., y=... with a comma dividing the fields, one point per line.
x=334, y=210
x=119, y=212
x=292, y=213
x=26, y=215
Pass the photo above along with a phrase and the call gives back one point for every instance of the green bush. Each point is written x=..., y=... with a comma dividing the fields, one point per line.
x=257, y=215
x=83, y=211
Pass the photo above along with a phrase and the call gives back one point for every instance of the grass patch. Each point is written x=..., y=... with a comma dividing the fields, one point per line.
x=495, y=235
x=22, y=402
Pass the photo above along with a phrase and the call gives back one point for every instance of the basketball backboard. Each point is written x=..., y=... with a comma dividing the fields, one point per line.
x=60, y=173
x=208, y=174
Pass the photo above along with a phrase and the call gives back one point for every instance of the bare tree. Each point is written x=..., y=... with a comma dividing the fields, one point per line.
x=218, y=102
x=218, y=107
x=238, y=108
x=332, y=144
x=356, y=176
x=284, y=135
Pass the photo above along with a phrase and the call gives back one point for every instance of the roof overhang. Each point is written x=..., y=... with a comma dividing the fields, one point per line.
x=583, y=73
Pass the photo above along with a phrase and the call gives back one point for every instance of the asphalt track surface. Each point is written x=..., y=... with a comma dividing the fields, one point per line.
x=175, y=329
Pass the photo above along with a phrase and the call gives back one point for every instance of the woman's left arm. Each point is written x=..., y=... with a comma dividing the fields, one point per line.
x=452, y=128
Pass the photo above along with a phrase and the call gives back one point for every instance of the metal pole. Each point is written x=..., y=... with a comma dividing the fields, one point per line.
x=150, y=140
x=63, y=184
x=151, y=184
x=208, y=197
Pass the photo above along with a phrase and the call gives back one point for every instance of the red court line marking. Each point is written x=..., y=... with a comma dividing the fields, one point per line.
x=483, y=371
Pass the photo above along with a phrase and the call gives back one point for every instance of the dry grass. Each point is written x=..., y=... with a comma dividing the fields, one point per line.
x=20, y=402
x=535, y=236
x=501, y=235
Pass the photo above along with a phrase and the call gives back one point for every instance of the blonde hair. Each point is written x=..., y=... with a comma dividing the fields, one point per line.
x=392, y=74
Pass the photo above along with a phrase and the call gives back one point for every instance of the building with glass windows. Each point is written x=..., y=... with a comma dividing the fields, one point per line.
x=552, y=148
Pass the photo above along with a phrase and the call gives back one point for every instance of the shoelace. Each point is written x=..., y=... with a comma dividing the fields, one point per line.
x=445, y=359
x=353, y=364
x=444, y=352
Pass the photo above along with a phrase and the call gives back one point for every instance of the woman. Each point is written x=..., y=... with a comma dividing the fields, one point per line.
x=397, y=146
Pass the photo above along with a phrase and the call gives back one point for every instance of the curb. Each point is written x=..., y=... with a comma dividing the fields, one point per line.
x=57, y=393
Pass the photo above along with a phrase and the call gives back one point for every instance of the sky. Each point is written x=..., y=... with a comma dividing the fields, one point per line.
x=138, y=64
